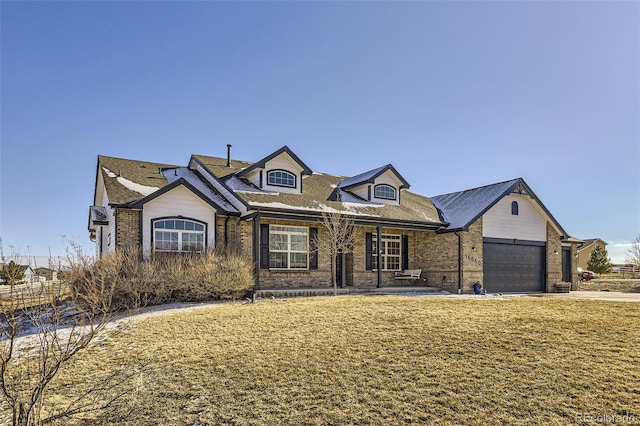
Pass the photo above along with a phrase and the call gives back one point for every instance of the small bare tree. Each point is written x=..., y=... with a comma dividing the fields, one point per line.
x=41, y=328
x=340, y=239
x=633, y=258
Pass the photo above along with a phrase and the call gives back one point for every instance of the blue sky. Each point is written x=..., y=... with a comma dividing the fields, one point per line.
x=454, y=94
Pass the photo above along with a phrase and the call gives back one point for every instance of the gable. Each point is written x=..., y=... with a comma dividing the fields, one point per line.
x=500, y=222
x=181, y=202
x=381, y=185
x=383, y=189
x=279, y=174
x=463, y=208
x=178, y=201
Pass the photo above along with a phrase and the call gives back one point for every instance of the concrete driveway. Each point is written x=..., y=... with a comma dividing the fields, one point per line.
x=612, y=296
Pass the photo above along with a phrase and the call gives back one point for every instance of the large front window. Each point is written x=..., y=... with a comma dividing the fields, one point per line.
x=178, y=235
x=390, y=252
x=288, y=247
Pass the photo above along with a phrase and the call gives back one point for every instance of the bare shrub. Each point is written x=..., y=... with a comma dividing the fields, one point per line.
x=135, y=282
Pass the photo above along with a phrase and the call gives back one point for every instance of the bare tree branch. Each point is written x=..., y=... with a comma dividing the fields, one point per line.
x=339, y=238
x=633, y=258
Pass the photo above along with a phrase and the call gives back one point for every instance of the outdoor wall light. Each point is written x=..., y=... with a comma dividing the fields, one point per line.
x=555, y=252
x=473, y=248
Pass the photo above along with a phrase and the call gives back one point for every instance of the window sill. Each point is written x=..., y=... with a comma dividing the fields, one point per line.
x=288, y=270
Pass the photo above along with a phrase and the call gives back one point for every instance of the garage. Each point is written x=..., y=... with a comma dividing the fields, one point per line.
x=513, y=267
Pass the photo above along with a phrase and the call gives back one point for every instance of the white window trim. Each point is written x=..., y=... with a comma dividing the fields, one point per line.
x=386, y=186
x=273, y=230
x=180, y=232
x=293, y=175
x=386, y=238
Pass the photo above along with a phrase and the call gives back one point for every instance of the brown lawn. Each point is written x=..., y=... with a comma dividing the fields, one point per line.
x=377, y=360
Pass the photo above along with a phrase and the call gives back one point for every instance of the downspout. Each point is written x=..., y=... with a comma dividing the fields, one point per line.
x=379, y=249
x=459, y=262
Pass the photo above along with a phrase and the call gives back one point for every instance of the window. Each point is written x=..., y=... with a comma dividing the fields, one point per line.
x=281, y=178
x=178, y=235
x=390, y=252
x=514, y=208
x=387, y=192
x=288, y=247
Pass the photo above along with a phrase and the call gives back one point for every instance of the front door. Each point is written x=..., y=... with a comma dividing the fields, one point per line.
x=340, y=280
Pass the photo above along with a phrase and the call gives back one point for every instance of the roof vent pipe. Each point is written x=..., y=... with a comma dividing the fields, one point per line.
x=228, y=155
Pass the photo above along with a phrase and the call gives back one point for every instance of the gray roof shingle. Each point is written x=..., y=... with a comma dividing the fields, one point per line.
x=463, y=208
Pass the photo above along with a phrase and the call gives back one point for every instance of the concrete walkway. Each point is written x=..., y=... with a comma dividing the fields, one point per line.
x=612, y=296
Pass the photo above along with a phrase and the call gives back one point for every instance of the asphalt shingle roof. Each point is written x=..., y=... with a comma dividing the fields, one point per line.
x=463, y=208
x=127, y=181
x=316, y=193
x=130, y=180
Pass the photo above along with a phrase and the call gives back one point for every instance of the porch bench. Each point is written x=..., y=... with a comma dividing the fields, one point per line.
x=408, y=274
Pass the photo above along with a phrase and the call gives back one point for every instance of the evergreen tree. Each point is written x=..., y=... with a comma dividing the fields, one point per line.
x=11, y=273
x=599, y=261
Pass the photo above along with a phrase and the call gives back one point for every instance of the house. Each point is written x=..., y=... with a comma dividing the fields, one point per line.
x=19, y=274
x=270, y=210
x=46, y=274
x=584, y=251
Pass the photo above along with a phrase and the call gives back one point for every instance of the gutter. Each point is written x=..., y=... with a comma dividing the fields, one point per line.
x=286, y=214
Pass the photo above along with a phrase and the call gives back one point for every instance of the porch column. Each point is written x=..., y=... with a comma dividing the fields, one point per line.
x=379, y=249
x=255, y=241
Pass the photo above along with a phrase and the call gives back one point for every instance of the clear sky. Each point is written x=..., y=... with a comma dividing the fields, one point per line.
x=454, y=94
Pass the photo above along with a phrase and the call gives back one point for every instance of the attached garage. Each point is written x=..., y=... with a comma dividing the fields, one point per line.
x=514, y=267
x=523, y=246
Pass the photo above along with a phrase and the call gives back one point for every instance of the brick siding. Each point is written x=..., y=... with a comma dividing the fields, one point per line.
x=127, y=228
x=554, y=259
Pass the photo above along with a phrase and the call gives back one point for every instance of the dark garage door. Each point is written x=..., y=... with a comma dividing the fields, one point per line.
x=513, y=267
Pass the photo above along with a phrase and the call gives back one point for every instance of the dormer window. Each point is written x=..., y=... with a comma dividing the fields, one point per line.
x=281, y=178
x=384, y=191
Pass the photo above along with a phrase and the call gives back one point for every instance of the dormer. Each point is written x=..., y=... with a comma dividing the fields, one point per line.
x=381, y=185
x=281, y=171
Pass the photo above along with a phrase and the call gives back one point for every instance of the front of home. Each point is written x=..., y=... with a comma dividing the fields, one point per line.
x=271, y=210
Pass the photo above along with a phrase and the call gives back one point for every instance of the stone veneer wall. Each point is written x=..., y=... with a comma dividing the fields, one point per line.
x=437, y=256
x=127, y=228
x=472, y=257
x=554, y=259
x=574, y=267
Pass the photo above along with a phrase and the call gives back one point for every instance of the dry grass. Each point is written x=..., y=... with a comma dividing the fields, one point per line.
x=377, y=360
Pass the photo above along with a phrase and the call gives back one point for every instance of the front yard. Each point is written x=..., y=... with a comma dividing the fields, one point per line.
x=375, y=360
